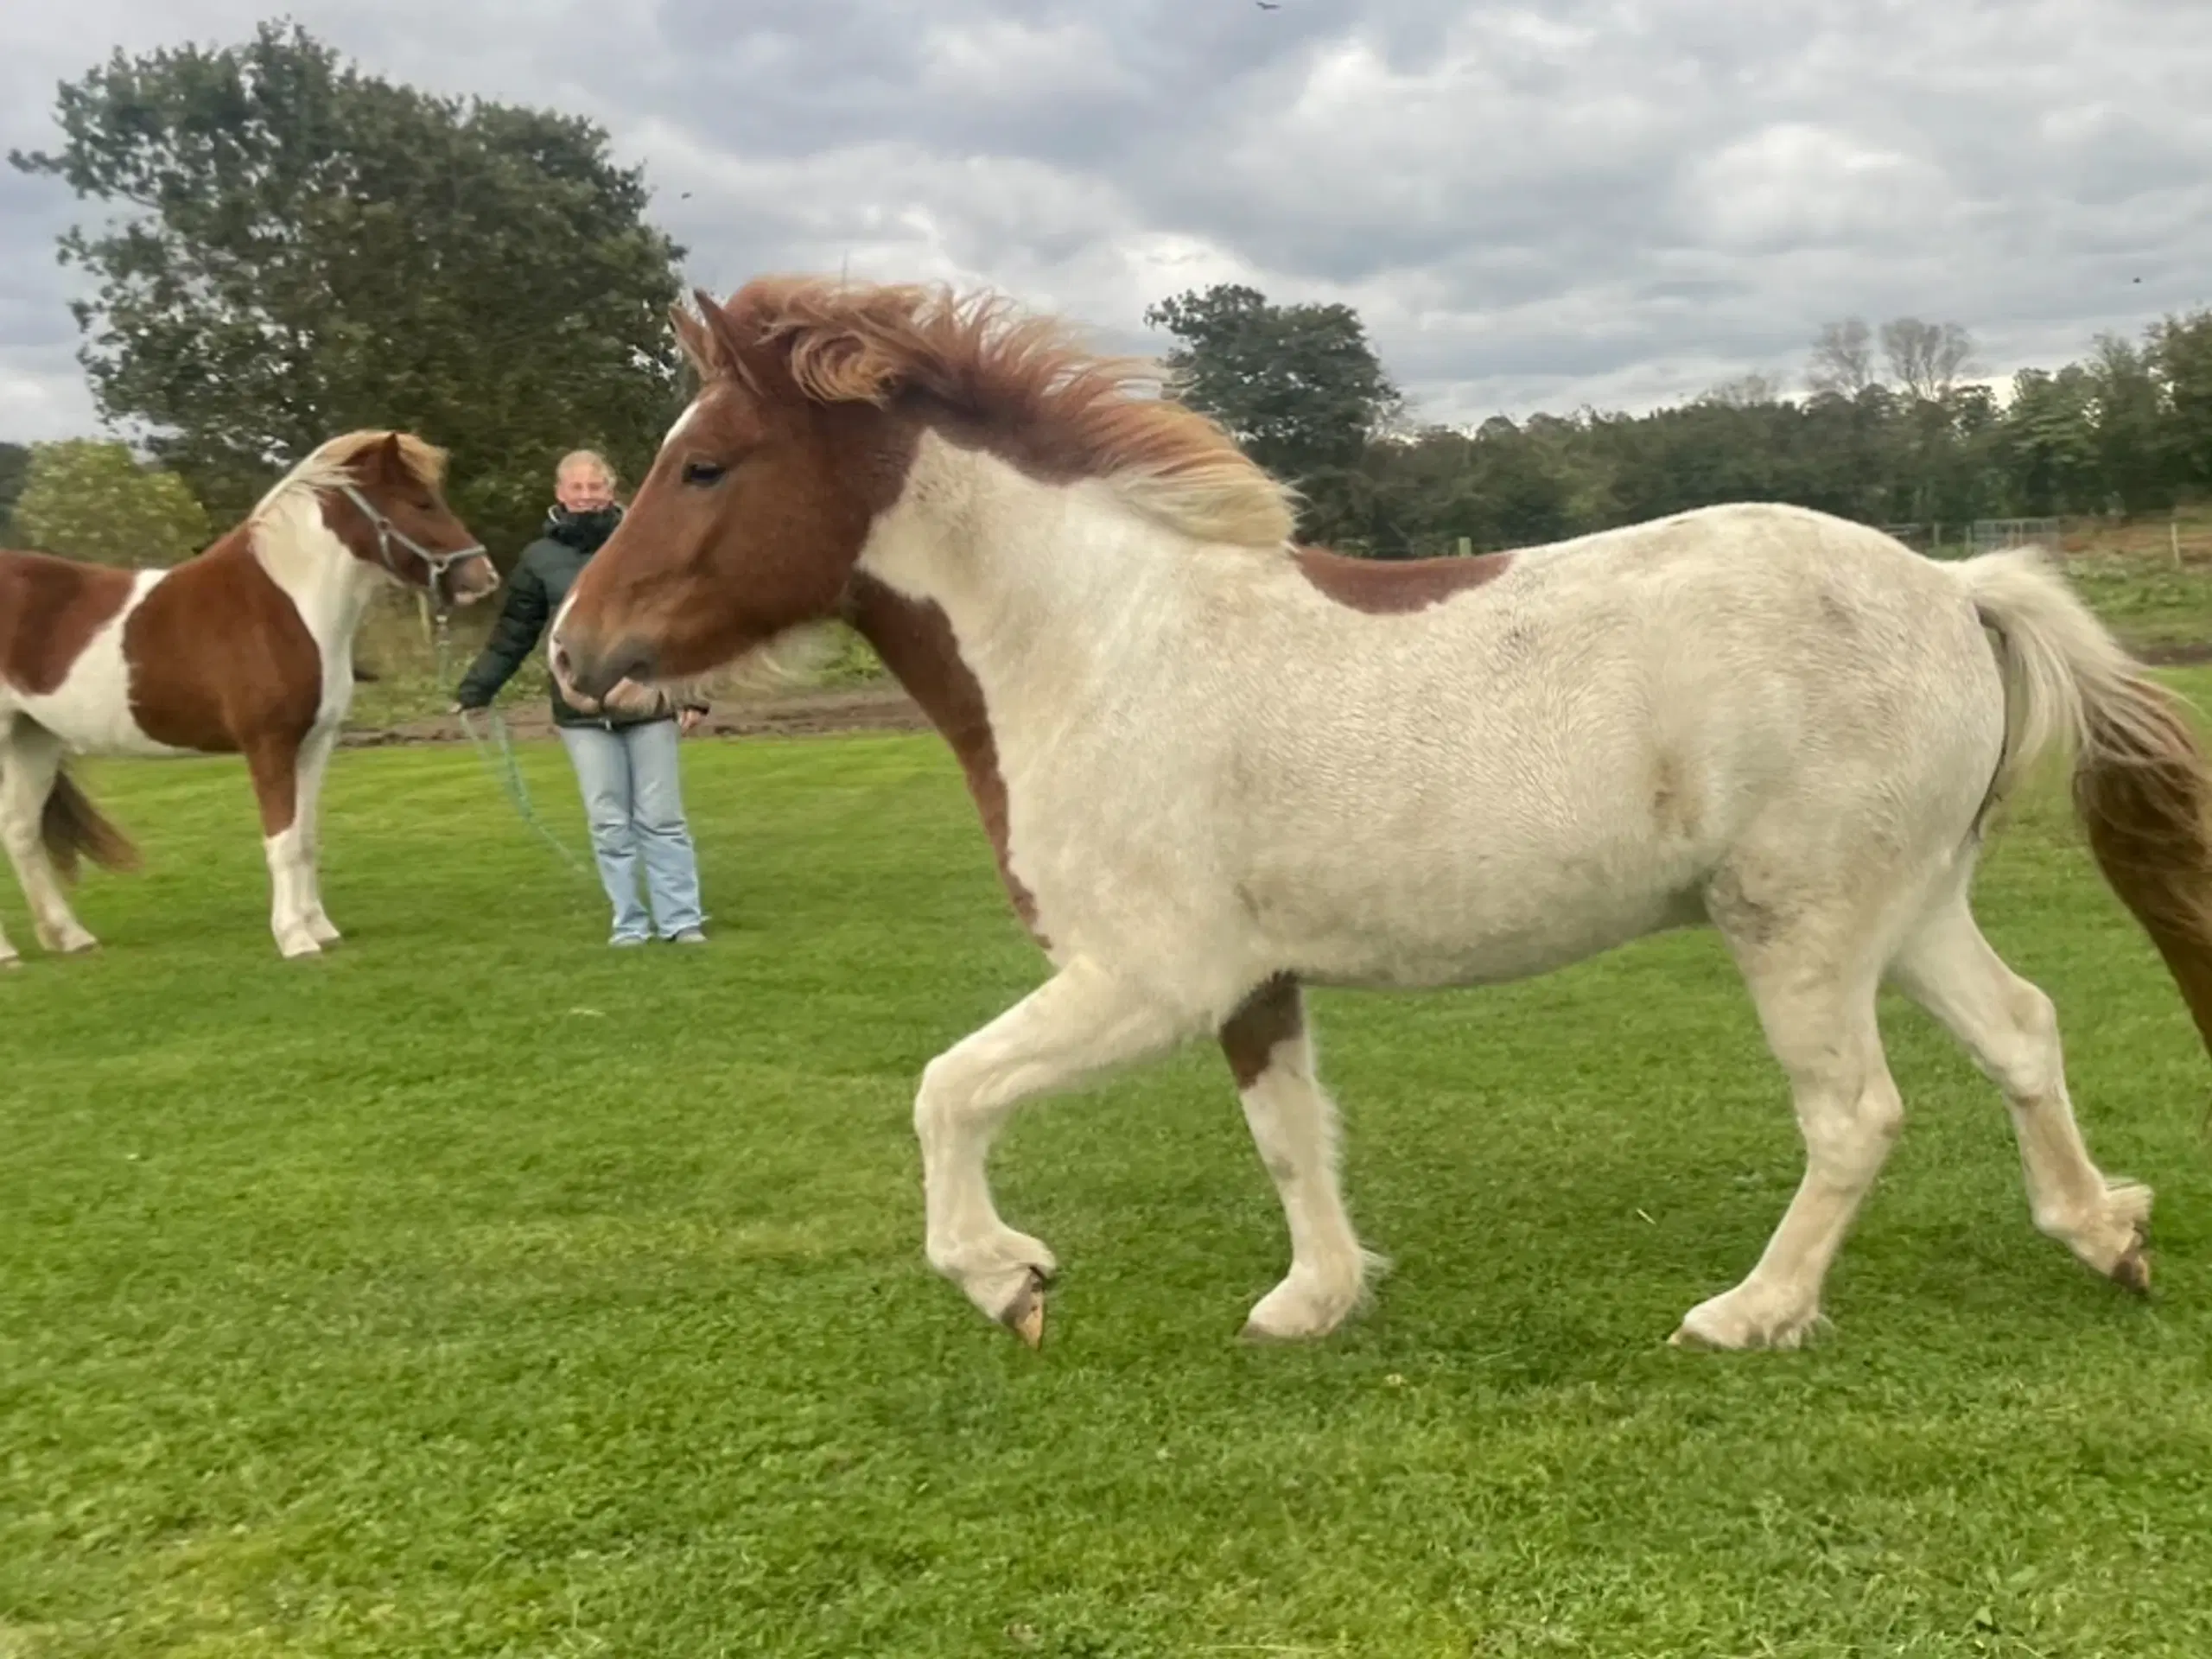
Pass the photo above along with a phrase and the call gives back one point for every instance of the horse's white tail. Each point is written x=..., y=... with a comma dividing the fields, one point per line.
x=2141, y=786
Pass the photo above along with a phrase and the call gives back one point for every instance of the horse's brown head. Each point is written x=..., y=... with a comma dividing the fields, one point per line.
x=383, y=494
x=749, y=523
x=815, y=397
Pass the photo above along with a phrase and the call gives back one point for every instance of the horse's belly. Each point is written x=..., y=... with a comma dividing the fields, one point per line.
x=92, y=726
x=1470, y=920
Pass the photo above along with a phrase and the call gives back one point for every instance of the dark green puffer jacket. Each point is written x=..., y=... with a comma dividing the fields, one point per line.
x=541, y=580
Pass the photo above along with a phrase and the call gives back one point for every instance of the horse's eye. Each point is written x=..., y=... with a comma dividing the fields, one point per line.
x=702, y=473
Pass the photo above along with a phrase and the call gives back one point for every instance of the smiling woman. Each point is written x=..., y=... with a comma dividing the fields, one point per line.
x=623, y=747
x=1215, y=767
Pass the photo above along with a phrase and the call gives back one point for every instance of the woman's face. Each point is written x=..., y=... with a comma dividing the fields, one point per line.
x=583, y=488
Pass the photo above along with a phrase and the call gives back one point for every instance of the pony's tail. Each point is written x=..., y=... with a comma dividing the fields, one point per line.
x=2142, y=788
x=71, y=824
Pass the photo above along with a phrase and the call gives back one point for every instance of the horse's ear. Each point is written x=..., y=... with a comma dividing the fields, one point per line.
x=731, y=351
x=391, y=460
x=696, y=339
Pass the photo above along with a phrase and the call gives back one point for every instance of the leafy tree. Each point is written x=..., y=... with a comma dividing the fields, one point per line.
x=90, y=499
x=15, y=465
x=2181, y=354
x=2051, y=457
x=307, y=249
x=2132, y=437
x=1298, y=385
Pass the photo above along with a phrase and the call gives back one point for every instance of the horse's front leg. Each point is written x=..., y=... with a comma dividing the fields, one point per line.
x=274, y=763
x=1079, y=1023
x=315, y=756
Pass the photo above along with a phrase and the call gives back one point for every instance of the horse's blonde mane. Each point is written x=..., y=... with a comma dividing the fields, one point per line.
x=1030, y=385
x=332, y=461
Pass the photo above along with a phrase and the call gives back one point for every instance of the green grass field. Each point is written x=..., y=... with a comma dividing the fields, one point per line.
x=477, y=1290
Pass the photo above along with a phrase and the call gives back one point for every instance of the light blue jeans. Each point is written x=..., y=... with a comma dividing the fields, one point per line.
x=633, y=801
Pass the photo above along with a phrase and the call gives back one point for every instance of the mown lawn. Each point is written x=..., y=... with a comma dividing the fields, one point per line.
x=477, y=1290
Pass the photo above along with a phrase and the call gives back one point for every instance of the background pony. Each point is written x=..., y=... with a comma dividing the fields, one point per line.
x=246, y=648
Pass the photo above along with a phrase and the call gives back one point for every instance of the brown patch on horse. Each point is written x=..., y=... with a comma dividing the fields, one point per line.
x=192, y=687
x=1393, y=587
x=1021, y=386
x=50, y=608
x=917, y=645
x=2144, y=795
x=70, y=824
x=1273, y=1015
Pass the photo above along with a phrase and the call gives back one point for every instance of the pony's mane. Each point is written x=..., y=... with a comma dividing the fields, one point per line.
x=332, y=461
x=1028, y=383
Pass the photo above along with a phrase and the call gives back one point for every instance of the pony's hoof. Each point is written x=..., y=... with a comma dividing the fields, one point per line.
x=293, y=946
x=1024, y=1314
x=2132, y=1270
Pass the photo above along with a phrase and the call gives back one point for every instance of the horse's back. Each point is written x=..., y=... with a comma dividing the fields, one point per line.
x=50, y=610
x=63, y=663
x=1560, y=759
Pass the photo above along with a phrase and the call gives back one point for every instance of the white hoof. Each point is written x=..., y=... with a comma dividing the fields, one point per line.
x=66, y=939
x=1005, y=1277
x=1302, y=1308
x=322, y=930
x=1748, y=1317
x=297, y=942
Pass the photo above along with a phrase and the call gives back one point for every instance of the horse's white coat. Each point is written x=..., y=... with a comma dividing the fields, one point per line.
x=1776, y=721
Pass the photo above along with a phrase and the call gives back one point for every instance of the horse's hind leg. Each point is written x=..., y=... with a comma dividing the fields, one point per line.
x=2011, y=1029
x=1813, y=969
x=30, y=756
x=1293, y=1126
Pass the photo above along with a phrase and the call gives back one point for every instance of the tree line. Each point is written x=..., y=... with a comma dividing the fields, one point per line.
x=302, y=248
x=1892, y=431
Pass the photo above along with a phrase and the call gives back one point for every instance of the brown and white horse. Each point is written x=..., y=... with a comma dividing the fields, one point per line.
x=246, y=648
x=1214, y=765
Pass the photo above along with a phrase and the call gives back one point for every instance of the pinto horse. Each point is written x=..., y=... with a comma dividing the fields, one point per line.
x=246, y=647
x=1216, y=766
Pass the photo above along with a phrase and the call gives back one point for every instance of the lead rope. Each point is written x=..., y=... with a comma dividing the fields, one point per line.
x=501, y=763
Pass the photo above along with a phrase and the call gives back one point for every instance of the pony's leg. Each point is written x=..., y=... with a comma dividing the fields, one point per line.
x=2011, y=1030
x=33, y=757
x=315, y=756
x=1294, y=1124
x=1814, y=989
x=1080, y=1022
x=274, y=764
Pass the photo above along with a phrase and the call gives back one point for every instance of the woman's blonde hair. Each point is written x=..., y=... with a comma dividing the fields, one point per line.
x=578, y=457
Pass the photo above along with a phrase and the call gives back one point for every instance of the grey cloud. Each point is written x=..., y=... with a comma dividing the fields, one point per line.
x=1605, y=201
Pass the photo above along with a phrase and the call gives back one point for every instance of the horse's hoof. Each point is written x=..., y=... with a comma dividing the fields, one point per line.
x=2132, y=1271
x=1024, y=1314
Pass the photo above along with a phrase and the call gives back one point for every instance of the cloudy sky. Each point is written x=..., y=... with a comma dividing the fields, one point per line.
x=1618, y=202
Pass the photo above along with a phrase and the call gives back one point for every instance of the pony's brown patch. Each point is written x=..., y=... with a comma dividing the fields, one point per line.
x=916, y=643
x=50, y=608
x=1392, y=587
x=192, y=686
x=1019, y=385
x=1271, y=1015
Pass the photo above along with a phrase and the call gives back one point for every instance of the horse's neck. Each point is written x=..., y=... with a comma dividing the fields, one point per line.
x=1034, y=578
x=328, y=586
